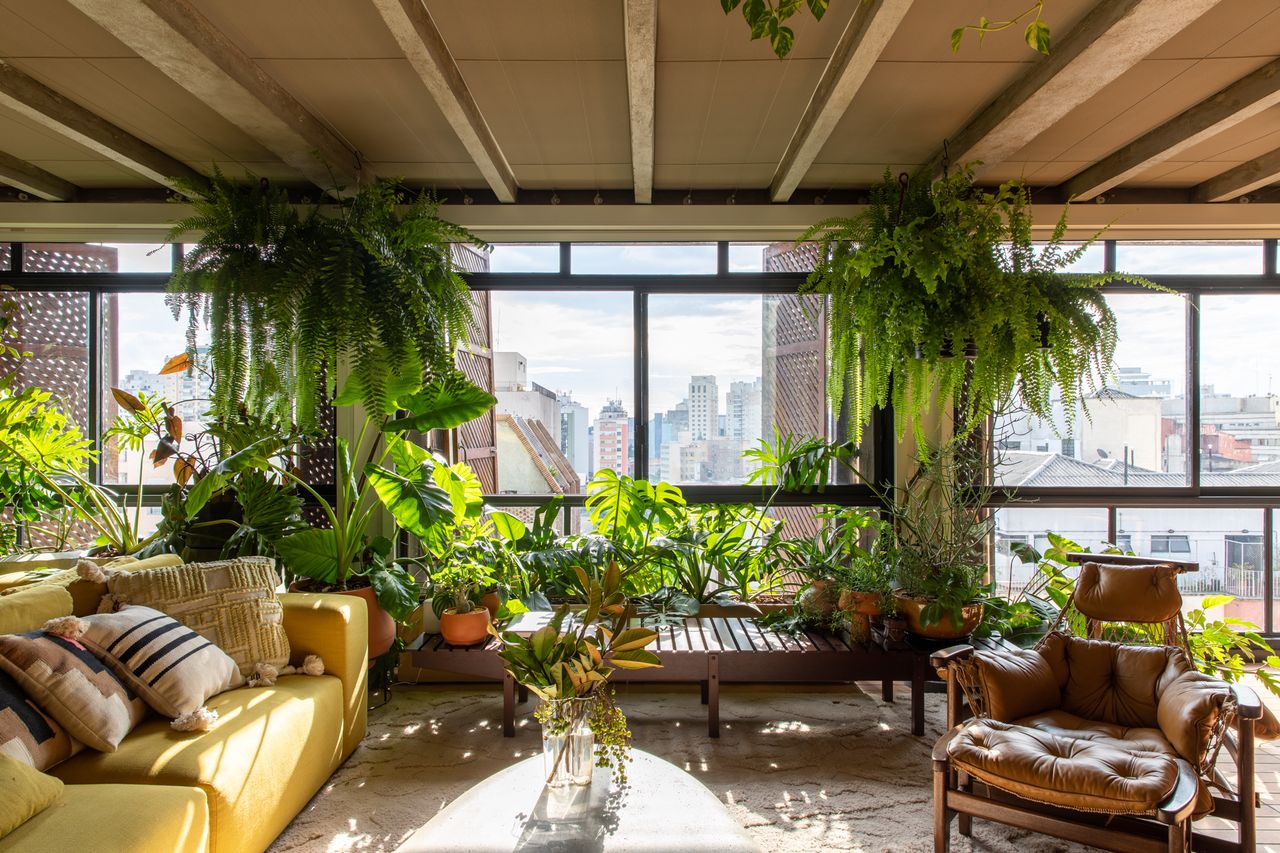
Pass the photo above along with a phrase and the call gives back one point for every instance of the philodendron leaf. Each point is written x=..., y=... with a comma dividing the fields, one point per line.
x=782, y=41
x=397, y=591
x=1037, y=36
x=507, y=525
x=818, y=8
x=204, y=489
x=311, y=553
x=417, y=506
x=443, y=403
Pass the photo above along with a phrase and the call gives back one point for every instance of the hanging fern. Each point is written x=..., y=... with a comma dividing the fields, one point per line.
x=289, y=292
x=932, y=268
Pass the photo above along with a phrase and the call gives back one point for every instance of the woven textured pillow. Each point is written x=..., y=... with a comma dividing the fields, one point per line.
x=73, y=686
x=170, y=666
x=231, y=603
x=27, y=733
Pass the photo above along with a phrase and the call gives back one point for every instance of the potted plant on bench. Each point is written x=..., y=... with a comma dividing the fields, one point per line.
x=567, y=663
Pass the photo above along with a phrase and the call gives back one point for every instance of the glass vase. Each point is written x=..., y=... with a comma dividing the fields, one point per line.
x=568, y=745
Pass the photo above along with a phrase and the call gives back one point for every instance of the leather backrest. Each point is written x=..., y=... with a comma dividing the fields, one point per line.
x=1109, y=682
x=1016, y=684
x=1147, y=594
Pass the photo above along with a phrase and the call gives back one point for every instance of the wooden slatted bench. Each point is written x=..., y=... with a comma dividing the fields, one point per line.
x=711, y=652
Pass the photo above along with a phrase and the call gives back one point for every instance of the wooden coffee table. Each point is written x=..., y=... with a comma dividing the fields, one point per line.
x=662, y=809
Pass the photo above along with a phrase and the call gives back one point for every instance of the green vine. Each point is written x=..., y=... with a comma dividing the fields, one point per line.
x=1036, y=34
x=935, y=270
x=290, y=291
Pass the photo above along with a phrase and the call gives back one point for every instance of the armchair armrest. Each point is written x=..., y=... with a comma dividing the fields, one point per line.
x=943, y=657
x=335, y=627
x=1248, y=705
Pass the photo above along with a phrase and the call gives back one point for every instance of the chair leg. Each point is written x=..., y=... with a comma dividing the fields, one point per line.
x=941, y=814
x=964, y=822
x=1178, y=836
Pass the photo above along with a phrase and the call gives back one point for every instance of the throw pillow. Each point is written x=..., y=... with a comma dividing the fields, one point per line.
x=73, y=686
x=31, y=606
x=27, y=733
x=170, y=666
x=27, y=792
x=231, y=603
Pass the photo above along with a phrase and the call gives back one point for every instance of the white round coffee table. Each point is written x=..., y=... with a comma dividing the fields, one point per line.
x=662, y=809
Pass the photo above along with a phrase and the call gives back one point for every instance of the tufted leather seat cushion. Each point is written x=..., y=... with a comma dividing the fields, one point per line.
x=1073, y=772
x=1066, y=724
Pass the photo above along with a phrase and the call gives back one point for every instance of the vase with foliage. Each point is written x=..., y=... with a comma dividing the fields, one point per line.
x=567, y=664
x=290, y=292
x=939, y=297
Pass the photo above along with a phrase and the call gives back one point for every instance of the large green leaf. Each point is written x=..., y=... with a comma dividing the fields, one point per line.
x=397, y=591
x=507, y=525
x=463, y=487
x=204, y=489
x=419, y=506
x=443, y=403
x=311, y=553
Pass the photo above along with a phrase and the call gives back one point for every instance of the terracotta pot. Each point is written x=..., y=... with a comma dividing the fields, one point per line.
x=492, y=602
x=820, y=599
x=866, y=603
x=382, y=628
x=943, y=629
x=464, y=629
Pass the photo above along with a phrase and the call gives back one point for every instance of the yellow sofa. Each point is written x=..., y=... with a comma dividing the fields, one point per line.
x=235, y=787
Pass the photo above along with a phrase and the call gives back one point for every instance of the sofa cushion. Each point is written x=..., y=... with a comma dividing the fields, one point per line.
x=1064, y=724
x=268, y=753
x=1128, y=593
x=1064, y=771
x=27, y=733
x=30, y=607
x=1190, y=705
x=27, y=792
x=1015, y=683
x=73, y=686
x=85, y=594
x=231, y=603
x=111, y=818
x=1108, y=682
x=171, y=667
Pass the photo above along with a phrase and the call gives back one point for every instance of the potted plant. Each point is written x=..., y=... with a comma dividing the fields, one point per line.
x=864, y=575
x=290, y=292
x=567, y=664
x=935, y=269
x=940, y=530
x=456, y=591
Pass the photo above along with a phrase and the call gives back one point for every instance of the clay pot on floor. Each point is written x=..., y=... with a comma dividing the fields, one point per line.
x=491, y=602
x=944, y=628
x=464, y=629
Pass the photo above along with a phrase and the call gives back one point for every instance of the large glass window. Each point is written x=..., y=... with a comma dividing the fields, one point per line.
x=726, y=371
x=1181, y=257
x=1239, y=372
x=1032, y=525
x=1127, y=432
x=644, y=258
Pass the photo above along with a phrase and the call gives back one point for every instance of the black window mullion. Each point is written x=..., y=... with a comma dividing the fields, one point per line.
x=1193, y=389
x=15, y=258
x=1268, y=568
x=640, y=358
x=94, y=398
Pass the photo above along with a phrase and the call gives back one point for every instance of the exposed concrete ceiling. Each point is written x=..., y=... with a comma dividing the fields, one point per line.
x=510, y=101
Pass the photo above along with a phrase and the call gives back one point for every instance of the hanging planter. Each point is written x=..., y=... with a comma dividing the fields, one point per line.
x=929, y=264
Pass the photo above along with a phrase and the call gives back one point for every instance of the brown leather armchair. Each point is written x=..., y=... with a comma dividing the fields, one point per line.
x=1107, y=743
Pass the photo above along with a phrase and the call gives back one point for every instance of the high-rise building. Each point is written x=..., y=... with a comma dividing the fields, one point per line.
x=573, y=434
x=612, y=435
x=743, y=411
x=518, y=396
x=704, y=408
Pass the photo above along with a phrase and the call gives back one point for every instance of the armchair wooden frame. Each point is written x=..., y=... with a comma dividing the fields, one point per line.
x=959, y=796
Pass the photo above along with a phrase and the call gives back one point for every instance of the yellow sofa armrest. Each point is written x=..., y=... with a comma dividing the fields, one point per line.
x=335, y=627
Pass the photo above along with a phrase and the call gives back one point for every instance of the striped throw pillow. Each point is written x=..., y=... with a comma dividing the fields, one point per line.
x=173, y=669
x=75, y=688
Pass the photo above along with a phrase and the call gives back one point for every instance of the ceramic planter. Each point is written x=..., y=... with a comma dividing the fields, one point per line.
x=860, y=606
x=944, y=629
x=464, y=629
x=382, y=628
x=821, y=598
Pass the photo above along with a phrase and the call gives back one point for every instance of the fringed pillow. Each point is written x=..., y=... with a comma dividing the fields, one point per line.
x=173, y=669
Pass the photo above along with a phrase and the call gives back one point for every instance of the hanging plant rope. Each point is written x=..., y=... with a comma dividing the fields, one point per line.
x=935, y=268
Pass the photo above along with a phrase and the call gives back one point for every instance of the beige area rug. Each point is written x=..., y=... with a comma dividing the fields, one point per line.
x=803, y=768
